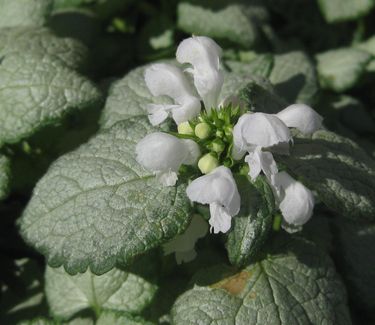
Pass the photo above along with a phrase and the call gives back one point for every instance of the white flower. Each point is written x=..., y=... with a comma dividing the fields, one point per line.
x=184, y=245
x=219, y=190
x=258, y=130
x=166, y=79
x=302, y=117
x=204, y=55
x=258, y=161
x=163, y=154
x=296, y=202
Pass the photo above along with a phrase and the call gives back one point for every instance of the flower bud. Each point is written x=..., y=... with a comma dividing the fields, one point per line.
x=218, y=146
x=185, y=128
x=202, y=130
x=207, y=163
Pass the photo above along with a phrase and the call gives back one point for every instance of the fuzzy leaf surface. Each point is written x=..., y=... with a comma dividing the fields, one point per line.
x=340, y=172
x=252, y=225
x=4, y=176
x=97, y=206
x=296, y=284
x=116, y=289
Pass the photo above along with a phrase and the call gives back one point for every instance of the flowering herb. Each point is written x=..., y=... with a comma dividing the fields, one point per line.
x=221, y=137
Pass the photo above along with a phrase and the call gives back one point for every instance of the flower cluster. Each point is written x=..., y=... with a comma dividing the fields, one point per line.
x=219, y=138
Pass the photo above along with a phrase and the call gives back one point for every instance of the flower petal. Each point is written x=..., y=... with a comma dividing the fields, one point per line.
x=259, y=130
x=161, y=152
x=302, y=117
x=220, y=220
x=166, y=79
x=193, y=152
x=167, y=178
x=258, y=161
x=158, y=113
x=204, y=55
x=296, y=201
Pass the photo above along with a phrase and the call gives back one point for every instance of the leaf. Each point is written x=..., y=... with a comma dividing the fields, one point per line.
x=4, y=176
x=130, y=96
x=343, y=10
x=110, y=317
x=24, y=12
x=237, y=23
x=252, y=225
x=260, y=66
x=368, y=45
x=42, y=42
x=96, y=206
x=22, y=296
x=294, y=77
x=295, y=284
x=340, y=70
x=356, y=260
x=338, y=170
x=116, y=289
x=36, y=91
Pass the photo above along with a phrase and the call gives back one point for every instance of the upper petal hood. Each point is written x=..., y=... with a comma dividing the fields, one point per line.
x=204, y=55
x=302, y=117
x=259, y=130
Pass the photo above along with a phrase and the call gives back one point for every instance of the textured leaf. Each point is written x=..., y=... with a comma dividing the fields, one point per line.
x=42, y=42
x=110, y=317
x=338, y=170
x=24, y=12
x=294, y=77
x=341, y=69
x=96, y=206
x=252, y=225
x=295, y=284
x=36, y=91
x=233, y=22
x=116, y=289
x=343, y=10
x=130, y=96
x=368, y=45
x=4, y=176
x=355, y=247
x=260, y=66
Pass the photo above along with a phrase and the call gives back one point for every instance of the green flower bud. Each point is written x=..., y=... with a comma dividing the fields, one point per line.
x=202, y=130
x=207, y=163
x=185, y=128
x=218, y=146
x=219, y=133
x=277, y=220
x=228, y=131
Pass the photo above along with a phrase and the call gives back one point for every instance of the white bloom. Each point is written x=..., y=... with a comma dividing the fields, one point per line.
x=302, y=117
x=258, y=130
x=184, y=245
x=163, y=154
x=204, y=55
x=166, y=79
x=296, y=202
x=219, y=190
x=258, y=161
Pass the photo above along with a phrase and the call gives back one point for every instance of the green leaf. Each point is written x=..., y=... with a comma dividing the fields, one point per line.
x=37, y=90
x=260, y=66
x=38, y=321
x=344, y=10
x=341, y=69
x=295, y=284
x=110, y=317
x=96, y=206
x=294, y=77
x=4, y=176
x=237, y=23
x=24, y=12
x=116, y=289
x=130, y=96
x=368, y=45
x=41, y=42
x=252, y=225
x=356, y=259
x=340, y=172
